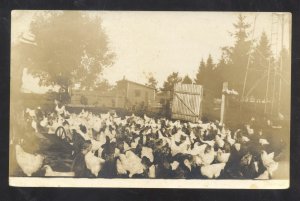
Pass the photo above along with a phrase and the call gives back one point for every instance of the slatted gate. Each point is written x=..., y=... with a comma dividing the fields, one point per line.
x=187, y=102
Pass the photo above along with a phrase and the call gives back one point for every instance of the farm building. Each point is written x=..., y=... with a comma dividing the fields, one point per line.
x=135, y=94
x=126, y=94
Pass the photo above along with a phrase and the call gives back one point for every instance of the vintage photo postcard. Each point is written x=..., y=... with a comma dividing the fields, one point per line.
x=135, y=99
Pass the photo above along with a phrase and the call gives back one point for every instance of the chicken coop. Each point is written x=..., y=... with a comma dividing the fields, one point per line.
x=135, y=94
x=187, y=102
x=126, y=95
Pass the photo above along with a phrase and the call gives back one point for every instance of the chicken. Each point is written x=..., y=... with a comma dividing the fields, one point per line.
x=174, y=165
x=131, y=163
x=29, y=163
x=96, y=145
x=30, y=112
x=135, y=143
x=50, y=173
x=44, y=122
x=181, y=148
x=147, y=152
x=229, y=139
x=134, y=164
x=93, y=163
x=220, y=142
x=210, y=143
x=198, y=149
x=212, y=171
x=268, y=162
x=165, y=140
x=34, y=125
x=245, y=139
x=120, y=168
x=222, y=157
x=249, y=130
x=151, y=173
x=126, y=147
x=208, y=156
x=263, y=142
x=237, y=146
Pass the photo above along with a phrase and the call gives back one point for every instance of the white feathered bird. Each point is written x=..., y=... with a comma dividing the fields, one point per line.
x=29, y=163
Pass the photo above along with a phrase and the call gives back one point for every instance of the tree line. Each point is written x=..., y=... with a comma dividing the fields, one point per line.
x=257, y=56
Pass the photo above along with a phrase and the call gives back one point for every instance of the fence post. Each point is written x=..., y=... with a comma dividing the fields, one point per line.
x=225, y=87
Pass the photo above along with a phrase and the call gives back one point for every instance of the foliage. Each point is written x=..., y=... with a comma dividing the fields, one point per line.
x=237, y=55
x=171, y=81
x=67, y=47
x=187, y=80
x=151, y=81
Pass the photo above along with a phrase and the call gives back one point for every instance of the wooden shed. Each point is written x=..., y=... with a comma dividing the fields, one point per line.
x=135, y=93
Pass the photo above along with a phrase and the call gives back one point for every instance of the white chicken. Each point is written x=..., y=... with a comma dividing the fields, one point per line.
x=249, y=130
x=198, y=149
x=29, y=163
x=93, y=163
x=165, y=140
x=245, y=139
x=212, y=171
x=30, y=112
x=135, y=143
x=34, y=125
x=151, y=173
x=44, y=122
x=220, y=142
x=174, y=165
x=208, y=156
x=222, y=157
x=209, y=142
x=148, y=153
x=131, y=163
x=50, y=173
x=229, y=139
x=263, y=141
x=237, y=146
x=96, y=145
x=134, y=165
x=268, y=162
x=120, y=168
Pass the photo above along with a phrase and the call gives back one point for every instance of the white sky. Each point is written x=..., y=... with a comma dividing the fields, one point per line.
x=159, y=42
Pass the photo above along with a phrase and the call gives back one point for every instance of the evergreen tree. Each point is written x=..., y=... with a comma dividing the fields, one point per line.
x=171, y=81
x=258, y=70
x=151, y=81
x=237, y=55
x=200, y=74
x=187, y=80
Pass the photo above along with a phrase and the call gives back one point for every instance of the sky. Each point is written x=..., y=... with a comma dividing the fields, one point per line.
x=158, y=42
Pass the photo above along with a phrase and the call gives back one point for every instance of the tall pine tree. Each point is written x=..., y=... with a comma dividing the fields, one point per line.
x=200, y=74
x=237, y=55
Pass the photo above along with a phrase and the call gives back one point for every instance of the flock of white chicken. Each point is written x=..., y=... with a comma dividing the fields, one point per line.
x=206, y=149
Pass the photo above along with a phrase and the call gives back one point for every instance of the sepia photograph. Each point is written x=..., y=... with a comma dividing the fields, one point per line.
x=150, y=99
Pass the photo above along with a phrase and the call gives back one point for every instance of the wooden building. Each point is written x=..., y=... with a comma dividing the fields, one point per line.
x=126, y=95
x=135, y=94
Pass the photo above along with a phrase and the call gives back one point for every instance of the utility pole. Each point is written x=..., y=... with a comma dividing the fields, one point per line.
x=222, y=115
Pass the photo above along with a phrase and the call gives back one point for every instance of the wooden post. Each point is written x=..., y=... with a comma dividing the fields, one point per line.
x=225, y=87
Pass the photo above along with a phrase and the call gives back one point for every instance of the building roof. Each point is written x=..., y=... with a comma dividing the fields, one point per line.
x=124, y=80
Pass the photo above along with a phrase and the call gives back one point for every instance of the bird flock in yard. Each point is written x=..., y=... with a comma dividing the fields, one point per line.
x=106, y=145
